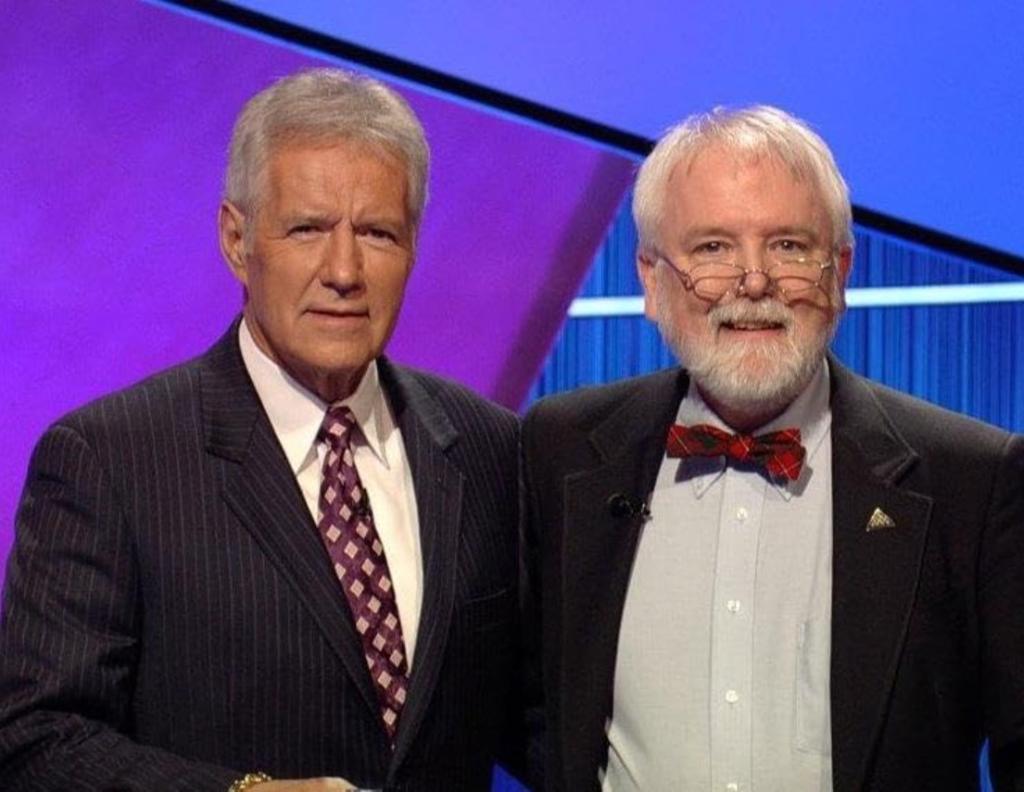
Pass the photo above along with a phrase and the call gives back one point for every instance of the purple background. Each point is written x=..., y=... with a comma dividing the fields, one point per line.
x=117, y=116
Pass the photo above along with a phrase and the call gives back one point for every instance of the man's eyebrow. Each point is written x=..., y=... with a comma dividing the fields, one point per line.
x=383, y=218
x=300, y=216
x=703, y=231
x=794, y=230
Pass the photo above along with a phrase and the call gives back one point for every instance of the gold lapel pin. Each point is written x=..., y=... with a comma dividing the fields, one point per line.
x=879, y=520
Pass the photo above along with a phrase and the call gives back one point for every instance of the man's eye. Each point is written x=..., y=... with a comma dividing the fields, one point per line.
x=791, y=246
x=710, y=248
x=302, y=229
x=380, y=234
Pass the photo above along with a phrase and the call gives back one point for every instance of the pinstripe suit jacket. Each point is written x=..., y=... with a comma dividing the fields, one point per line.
x=171, y=619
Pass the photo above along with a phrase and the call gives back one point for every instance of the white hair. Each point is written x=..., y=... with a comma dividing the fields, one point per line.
x=753, y=130
x=318, y=105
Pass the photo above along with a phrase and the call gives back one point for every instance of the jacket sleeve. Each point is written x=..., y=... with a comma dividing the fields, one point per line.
x=532, y=613
x=1001, y=616
x=69, y=638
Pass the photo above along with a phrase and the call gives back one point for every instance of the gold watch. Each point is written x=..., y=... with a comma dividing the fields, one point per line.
x=249, y=780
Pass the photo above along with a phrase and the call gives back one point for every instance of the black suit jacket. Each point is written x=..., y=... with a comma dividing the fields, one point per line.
x=927, y=616
x=171, y=619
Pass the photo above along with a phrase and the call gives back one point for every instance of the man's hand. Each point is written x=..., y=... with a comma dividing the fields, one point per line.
x=306, y=785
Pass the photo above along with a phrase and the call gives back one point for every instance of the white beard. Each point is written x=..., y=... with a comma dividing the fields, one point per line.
x=757, y=376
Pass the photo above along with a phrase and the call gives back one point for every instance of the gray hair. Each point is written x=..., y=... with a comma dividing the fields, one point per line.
x=323, y=105
x=756, y=130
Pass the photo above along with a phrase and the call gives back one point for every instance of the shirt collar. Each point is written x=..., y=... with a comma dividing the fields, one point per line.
x=296, y=413
x=809, y=412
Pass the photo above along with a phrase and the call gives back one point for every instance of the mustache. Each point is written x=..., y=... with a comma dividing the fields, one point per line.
x=766, y=312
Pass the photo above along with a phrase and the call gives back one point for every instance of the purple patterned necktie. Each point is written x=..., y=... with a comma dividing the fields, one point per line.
x=348, y=532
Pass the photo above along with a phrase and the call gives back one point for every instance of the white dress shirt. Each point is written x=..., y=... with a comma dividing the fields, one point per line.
x=722, y=671
x=296, y=414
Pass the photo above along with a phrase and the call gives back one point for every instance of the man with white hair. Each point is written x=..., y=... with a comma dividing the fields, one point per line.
x=761, y=571
x=289, y=564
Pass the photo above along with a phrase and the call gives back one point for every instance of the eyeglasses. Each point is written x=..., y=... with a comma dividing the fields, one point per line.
x=788, y=276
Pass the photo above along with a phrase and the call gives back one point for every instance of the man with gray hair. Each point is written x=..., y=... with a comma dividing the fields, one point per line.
x=761, y=571
x=289, y=564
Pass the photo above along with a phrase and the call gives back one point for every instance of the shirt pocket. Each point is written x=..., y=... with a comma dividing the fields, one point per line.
x=812, y=728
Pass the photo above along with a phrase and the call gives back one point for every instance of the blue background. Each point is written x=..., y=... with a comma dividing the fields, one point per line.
x=922, y=102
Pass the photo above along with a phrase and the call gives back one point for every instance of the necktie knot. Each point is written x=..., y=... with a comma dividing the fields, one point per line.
x=778, y=453
x=338, y=426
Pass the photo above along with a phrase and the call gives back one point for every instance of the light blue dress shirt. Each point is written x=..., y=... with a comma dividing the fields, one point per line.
x=722, y=672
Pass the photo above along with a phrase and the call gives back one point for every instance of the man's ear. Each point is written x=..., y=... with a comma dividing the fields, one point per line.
x=845, y=264
x=231, y=231
x=646, y=262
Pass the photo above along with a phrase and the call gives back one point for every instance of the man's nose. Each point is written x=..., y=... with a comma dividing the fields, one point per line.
x=755, y=284
x=342, y=265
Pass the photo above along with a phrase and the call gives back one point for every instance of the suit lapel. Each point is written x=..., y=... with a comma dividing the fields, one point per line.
x=875, y=572
x=427, y=433
x=599, y=543
x=262, y=491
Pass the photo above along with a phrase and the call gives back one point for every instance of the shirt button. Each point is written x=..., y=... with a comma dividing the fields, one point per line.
x=733, y=606
x=731, y=696
x=742, y=514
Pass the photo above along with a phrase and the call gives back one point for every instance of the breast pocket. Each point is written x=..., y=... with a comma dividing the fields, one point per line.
x=483, y=659
x=812, y=731
x=490, y=610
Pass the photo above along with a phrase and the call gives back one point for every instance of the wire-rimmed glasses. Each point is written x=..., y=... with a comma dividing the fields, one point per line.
x=789, y=276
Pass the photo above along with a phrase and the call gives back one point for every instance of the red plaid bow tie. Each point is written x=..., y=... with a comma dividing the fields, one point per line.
x=779, y=453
